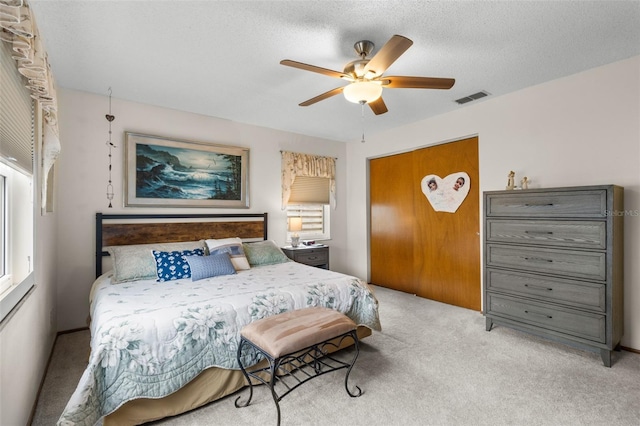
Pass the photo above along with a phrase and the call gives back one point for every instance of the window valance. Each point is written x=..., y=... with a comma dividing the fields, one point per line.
x=19, y=29
x=296, y=164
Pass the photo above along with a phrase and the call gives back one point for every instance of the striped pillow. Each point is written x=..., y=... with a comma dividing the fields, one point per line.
x=210, y=266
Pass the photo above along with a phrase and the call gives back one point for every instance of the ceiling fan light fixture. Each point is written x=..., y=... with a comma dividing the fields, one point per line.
x=367, y=75
x=362, y=91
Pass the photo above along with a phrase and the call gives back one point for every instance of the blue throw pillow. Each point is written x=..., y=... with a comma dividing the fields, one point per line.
x=172, y=265
x=210, y=266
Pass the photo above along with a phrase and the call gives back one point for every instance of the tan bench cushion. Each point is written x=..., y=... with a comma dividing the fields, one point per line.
x=293, y=331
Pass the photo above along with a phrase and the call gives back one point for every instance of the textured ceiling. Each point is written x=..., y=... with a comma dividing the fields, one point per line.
x=221, y=58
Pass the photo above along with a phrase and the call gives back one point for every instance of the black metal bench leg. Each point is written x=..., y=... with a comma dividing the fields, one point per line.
x=354, y=336
x=246, y=375
x=274, y=364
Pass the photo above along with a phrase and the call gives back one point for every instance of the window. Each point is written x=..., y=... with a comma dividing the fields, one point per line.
x=308, y=189
x=17, y=237
x=315, y=221
x=309, y=200
x=17, y=216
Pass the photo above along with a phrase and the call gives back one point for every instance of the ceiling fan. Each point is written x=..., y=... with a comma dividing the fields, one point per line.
x=365, y=75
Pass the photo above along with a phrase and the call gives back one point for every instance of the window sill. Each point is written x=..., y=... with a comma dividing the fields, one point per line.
x=12, y=297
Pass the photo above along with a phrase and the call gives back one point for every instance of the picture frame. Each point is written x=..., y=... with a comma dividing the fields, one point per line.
x=167, y=172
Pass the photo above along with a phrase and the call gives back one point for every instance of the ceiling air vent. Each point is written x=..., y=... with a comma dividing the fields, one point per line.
x=472, y=97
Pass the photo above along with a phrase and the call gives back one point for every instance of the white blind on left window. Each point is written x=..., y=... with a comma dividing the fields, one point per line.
x=16, y=114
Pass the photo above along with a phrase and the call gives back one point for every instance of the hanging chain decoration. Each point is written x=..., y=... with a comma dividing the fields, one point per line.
x=110, y=144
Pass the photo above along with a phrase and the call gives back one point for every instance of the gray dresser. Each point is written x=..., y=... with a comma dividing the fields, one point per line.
x=553, y=264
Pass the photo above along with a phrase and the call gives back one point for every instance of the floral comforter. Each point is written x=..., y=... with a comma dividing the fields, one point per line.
x=149, y=339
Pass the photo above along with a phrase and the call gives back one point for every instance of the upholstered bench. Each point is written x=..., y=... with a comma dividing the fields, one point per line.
x=295, y=345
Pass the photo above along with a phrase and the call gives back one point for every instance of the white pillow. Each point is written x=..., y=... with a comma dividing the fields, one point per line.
x=232, y=246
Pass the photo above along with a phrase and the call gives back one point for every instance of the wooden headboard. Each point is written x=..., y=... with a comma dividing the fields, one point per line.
x=128, y=229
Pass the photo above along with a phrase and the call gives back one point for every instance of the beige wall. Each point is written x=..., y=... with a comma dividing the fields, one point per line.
x=82, y=176
x=579, y=130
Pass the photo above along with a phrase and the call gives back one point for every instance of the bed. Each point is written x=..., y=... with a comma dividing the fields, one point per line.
x=161, y=348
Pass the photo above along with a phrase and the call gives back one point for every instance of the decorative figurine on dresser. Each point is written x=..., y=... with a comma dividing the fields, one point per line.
x=511, y=180
x=554, y=264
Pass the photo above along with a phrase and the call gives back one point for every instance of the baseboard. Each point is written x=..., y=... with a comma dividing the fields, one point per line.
x=624, y=348
x=71, y=331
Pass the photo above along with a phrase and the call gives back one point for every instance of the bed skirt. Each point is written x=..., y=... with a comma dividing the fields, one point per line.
x=212, y=384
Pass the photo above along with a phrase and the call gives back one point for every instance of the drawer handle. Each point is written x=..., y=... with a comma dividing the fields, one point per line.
x=539, y=314
x=539, y=205
x=539, y=232
x=538, y=259
x=312, y=257
x=538, y=287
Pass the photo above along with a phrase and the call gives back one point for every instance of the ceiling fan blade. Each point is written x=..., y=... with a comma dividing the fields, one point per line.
x=323, y=96
x=378, y=106
x=388, y=54
x=313, y=68
x=404, y=82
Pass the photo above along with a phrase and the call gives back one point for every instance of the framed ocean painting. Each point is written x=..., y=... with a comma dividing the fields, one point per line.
x=165, y=172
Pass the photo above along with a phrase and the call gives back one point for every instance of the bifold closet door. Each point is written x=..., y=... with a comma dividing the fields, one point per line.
x=415, y=249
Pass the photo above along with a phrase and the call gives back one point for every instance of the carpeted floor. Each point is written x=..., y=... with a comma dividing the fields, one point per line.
x=433, y=364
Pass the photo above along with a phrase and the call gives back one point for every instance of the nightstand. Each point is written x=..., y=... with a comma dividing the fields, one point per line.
x=317, y=256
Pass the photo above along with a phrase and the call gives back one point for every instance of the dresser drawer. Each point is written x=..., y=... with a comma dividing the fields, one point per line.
x=570, y=263
x=577, y=294
x=576, y=323
x=312, y=257
x=580, y=234
x=547, y=204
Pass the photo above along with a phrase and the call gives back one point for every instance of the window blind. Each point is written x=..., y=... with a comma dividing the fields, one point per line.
x=312, y=217
x=16, y=114
x=310, y=190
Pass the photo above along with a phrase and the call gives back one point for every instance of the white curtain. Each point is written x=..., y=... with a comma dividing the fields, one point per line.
x=297, y=164
x=18, y=27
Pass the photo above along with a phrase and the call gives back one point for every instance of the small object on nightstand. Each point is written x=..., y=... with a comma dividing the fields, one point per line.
x=295, y=225
x=317, y=255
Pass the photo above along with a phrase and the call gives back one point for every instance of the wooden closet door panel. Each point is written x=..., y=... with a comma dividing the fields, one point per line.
x=447, y=245
x=391, y=188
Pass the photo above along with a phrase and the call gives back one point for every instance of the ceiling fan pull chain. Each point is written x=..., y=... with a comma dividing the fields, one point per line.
x=362, y=120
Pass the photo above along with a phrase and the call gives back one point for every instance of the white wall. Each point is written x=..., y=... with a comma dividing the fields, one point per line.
x=83, y=175
x=579, y=130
